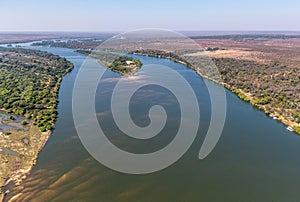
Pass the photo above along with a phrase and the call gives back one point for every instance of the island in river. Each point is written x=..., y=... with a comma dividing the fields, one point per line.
x=127, y=66
x=260, y=69
x=30, y=81
x=270, y=86
x=264, y=150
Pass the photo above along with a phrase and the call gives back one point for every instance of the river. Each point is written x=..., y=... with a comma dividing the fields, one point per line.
x=256, y=158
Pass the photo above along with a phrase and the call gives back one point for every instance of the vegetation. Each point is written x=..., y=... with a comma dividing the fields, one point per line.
x=122, y=64
x=273, y=88
x=125, y=65
x=264, y=74
x=71, y=43
x=8, y=133
x=247, y=36
x=106, y=58
x=24, y=123
x=30, y=82
x=25, y=143
x=29, y=86
x=161, y=54
x=84, y=52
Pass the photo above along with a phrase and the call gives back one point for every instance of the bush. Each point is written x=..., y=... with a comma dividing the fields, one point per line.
x=24, y=123
x=8, y=133
x=43, y=129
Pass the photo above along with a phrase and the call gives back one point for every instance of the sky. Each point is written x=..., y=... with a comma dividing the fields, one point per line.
x=125, y=15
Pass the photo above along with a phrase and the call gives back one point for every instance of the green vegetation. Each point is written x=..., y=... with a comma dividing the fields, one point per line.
x=27, y=143
x=104, y=57
x=273, y=88
x=125, y=65
x=71, y=43
x=297, y=129
x=84, y=52
x=30, y=82
x=238, y=92
x=8, y=133
x=122, y=64
x=162, y=54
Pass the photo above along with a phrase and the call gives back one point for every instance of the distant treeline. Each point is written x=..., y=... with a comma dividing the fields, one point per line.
x=76, y=43
x=247, y=36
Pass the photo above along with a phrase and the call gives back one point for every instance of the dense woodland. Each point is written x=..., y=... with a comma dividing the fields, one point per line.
x=30, y=82
x=118, y=63
x=125, y=65
x=274, y=88
x=70, y=43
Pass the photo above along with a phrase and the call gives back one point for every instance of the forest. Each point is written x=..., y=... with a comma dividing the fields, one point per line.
x=273, y=87
x=118, y=63
x=29, y=84
x=262, y=69
x=71, y=43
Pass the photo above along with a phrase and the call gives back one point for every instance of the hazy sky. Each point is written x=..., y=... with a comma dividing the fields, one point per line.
x=122, y=15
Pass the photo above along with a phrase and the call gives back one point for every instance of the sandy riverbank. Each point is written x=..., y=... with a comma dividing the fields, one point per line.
x=26, y=144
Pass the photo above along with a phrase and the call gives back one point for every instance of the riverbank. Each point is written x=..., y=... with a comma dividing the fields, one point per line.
x=124, y=65
x=30, y=108
x=19, y=149
x=248, y=98
x=245, y=96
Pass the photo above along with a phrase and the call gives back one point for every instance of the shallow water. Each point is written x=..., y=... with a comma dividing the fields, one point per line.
x=15, y=125
x=256, y=159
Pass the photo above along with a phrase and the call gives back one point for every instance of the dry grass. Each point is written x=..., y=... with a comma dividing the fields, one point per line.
x=239, y=54
x=284, y=51
x=17, y=167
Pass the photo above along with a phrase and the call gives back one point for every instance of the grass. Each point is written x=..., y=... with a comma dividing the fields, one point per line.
x=28, y=153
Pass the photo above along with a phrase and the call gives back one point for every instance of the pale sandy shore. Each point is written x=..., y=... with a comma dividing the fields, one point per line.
x=19, y=166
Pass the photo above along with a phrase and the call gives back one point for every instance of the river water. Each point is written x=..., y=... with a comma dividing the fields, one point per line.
x=256, y=159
